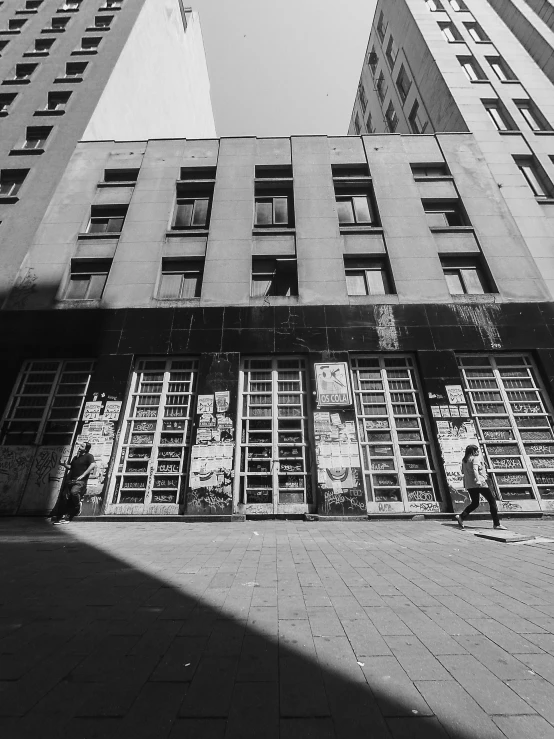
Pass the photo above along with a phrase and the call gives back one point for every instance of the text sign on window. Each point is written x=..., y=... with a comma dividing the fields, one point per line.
x=332, y=384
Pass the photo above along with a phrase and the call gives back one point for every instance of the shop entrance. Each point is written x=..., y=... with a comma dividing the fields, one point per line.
x=514, y=427
x=398, y=463
x=153, y=452
x=273, y=456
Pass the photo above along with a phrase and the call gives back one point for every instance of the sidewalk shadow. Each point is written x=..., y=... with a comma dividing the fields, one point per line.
x=93, y=648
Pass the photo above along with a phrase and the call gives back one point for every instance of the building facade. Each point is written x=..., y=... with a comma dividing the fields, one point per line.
x=278, y=327
x=485, y=67
x=87, y=69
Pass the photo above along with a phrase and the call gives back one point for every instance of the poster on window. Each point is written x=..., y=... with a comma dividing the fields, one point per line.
x=332, y=385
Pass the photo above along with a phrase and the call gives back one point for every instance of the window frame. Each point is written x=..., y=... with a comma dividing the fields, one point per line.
x=471, y=26
x=15, y=178
x=379, y=85
x=451, y=210
x=434, y=6
x=462, y=267
x=107, y=213
x=500, y=111
x=470, y=62
x=362, y=97
x=533, y=117
x=497, y=63
x=392, y=119
x=365, y=266
x=391, y=47
x=403, y=92
x=187, y=199
x=281, y=267
x=414, y=120
x=181, y=267
x=382, y=27
x=536, y=178
x=350, y=193
x=450, y=27
x=88, y=268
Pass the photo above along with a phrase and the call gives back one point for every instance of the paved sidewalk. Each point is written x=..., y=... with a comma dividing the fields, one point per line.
x=285, y=630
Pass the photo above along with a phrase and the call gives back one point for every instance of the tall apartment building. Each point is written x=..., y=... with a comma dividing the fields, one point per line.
x=88, y=69
x=278, y=327
x=472, y=65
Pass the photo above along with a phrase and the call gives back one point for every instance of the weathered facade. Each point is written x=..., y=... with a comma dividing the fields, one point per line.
x=278, y=327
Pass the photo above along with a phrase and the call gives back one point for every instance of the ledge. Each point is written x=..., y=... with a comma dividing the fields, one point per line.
x=33, y=54
x=188, y=232
x=67, y=80
x=434, y=178
x=127, y=183
x=512, y=132
x=451, y=229
x=485, y=298
x=84, y=52
x=97, y=29
x=53, y=30
x=87, y=236
x=7, y=32
x=8, y=199
x=545, y=201
x=360, y=229
x=272, y=231
x=16, y=82
x=26, y=152
x=48, y=112
x=550, y=132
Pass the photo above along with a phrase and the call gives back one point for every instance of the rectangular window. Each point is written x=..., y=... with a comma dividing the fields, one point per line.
x=121, y=176
x=11, y=181
x=101, y=23
x=430, y=170
x=31, y=6
x=367, y=276
x=36, y=137
x=3, y=44
x=111, y=5
x=476, y=32
x=198, y=173
x=273, y=210
x=153, y=450
x=381, y=27
x=444, y=214
x=450, y=32
x=434, y=5
x=369, y=124
x=501, y=69
x=6, y=101
x=70, y=6
x=181, y=279
x=357, y=126
x=464, y=276
x=89, y=45
x=355, y=209
x=46, y=403
x=41, y=47
x=363, y=99
x=194, y=198
x=417, y=125
x=191, y=213
x=403, y=83
x=107, y=219
x=535, y=177
x=499, y=115
x=274, y=277
x=391, y=117
x=372, y=61
x=532, y=115
x=458, y=6
x=22, y=74
x=15, y=25
x=57, y=25
x=74, y=71
x=87, y=279
x=57, y=101
x=380, y=87
x=472, y=69
x=392, y=52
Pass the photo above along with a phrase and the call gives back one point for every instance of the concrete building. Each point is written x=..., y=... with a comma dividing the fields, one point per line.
x=470, y=65
x=278, y=327
x=88, y=69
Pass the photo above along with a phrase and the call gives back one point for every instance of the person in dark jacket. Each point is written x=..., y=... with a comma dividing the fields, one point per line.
x=476, y=484
x=69, y=502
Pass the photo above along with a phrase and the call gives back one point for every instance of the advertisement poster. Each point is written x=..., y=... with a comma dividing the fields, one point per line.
x=332, y=384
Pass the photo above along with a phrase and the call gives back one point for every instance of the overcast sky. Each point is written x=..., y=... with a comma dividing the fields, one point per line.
x=284, y=67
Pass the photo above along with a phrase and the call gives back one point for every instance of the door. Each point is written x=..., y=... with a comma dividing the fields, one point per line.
x=153, y=451
x=397, y=457
x=273, y=453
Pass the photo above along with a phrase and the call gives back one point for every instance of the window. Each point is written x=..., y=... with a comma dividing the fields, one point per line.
x=366, y=277
x=101, y=23
x=74, y=71
x=194, y=198
x=191, y=213
x=22, y=74
x=403, y=83
x=414, y=119
x=46, y=403
x=372, y=61
x=89, y=45
x=532, y=115
x=57, y=102
x=31, y=6
x=380, y=87
x=346, y=173
x=11, y=181
x=272, y=211
x=464, y=276
x=369, y=124
x=15, y=25
x=106, y=219
x=476, y=32
x=87, y=279
x=41, y=47
x=181, y=279
x=535, y=177
x=274, y=277
x=501, y=69
x=458, y=5
x=6, y=101
x=430, y=170
x=444, y=214
x=471, y=68
x=363, y=99
x=391, y=117
x=434, y=5
x=121, y=176
x=57, y=25
x=112, y=5
x=381, y=27
x=35, y=138
x=70, y=6
x=392, y=52
x=278, y=172
x=499, y=115
x=357, y=126
x=450, y=32
x=3, y=44
x=355, y=209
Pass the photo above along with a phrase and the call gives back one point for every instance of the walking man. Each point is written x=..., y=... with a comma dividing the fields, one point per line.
x=69, y=502
x=476, y=484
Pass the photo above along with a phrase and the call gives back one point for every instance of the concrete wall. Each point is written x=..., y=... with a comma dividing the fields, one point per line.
x=516, y=255
x=159, y=87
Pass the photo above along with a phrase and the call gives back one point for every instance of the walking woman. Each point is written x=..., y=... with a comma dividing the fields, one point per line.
x=475, y=482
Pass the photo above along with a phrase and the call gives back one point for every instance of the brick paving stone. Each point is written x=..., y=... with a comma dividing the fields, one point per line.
x=394, y=692
x=307, y=728
x=500, y=662
x=538, y=693
x=416, y=728
x=254, y=711
x=541, y=664
x=418, y=662
x=520, y=727
x=209, y=695
x=364, y=638
x=503, y=636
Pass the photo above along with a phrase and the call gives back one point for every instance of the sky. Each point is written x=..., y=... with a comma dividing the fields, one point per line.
x=284, y=67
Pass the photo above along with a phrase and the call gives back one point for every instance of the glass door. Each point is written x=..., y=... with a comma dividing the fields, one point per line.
x=274, y=465
x=514, y=426
x=397, y=458
x=155, y=440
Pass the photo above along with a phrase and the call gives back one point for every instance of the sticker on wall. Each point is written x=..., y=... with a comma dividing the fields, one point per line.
x=112, y=410
x=455, y=394
x=205, y=404
x=92, y=411
x=332, y=385
x=222, y=401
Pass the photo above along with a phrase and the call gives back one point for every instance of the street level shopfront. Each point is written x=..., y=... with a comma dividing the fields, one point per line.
x=353, y=423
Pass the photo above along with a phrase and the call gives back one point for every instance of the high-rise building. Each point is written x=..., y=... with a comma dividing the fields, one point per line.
x=472, y=65
x=88, y=69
